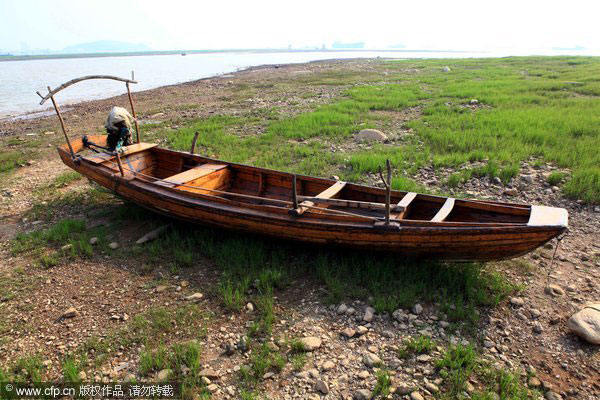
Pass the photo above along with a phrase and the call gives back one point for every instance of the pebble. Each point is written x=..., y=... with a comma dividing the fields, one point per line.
x=516, y=301
x=161, y=288
x=114, y=245
x=70, y=313
x=550, y=395
x=586, y=323
x=322, y=387
x=350, y=311
x=93, y=240
x=328, y=365
x=250, y=307
x=370, y=135
x=369, y=313
x=362, y=394
x=511, y=192
x=416, y=396
x=348, y=333
x=363, y=374
x=554, y=290
x=163, y=375
x=361, y=330
x=371, y=360
x=311, y=343
x=341, y=309
x=82, y=376
x=194, y=297
x=417, y=309
x=431, y=387
x=537, y=327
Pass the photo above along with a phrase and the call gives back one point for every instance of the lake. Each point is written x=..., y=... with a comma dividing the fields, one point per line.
x=19, y=80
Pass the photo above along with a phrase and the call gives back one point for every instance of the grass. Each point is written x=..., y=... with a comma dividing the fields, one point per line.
x=457, y=365
x=67, y=239
x=556, y=178
x=420, y=345
x=383, y=384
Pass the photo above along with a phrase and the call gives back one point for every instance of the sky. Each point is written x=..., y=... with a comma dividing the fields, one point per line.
x=517, y=26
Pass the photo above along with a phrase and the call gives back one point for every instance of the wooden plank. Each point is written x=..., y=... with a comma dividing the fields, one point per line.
x=443, y=213
x=190, y=175
x=127, y=150
x=403, y=205
x=326, y=194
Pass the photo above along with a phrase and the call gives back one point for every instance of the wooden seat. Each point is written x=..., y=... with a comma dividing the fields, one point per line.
x=443, y=212
x=131, y=149
x=190, y=175
x=328, y=193
x=403, y=205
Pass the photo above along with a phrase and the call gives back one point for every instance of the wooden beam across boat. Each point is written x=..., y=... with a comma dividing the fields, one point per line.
x=443, y=213
x=402, y=206
x=322, y=197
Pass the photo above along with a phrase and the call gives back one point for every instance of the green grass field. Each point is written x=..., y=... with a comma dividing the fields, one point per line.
x=546, y=108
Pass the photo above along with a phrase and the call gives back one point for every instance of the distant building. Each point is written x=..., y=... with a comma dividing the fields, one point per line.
x=340, y=45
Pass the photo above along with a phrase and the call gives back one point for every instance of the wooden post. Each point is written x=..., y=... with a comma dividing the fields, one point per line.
x=119, y=163
x=62, y=125
x=194, y=142
x=137, y=128
x=294, y=193
x=388, y=192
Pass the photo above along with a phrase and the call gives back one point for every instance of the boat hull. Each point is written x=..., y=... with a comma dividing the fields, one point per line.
x=410, y=239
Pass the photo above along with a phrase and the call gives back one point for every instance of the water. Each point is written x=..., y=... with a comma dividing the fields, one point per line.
x=19, y=80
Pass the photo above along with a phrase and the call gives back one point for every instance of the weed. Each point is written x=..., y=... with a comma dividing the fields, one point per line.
x=71, y=370
x=383, y=384
x=421, y=345
x=555, y=178
x=29, y=369
x=457, y=365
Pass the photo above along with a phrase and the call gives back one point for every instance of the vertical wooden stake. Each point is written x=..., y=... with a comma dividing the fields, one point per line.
x=137, y=128
x=388, y=192
x=294, y=193
x=62, y=125
x=119, y=164
x=194, y=142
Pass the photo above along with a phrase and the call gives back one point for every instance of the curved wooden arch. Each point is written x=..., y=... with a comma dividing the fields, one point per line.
x=76, y=80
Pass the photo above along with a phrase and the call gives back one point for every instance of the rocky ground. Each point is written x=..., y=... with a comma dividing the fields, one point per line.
x=347, y=348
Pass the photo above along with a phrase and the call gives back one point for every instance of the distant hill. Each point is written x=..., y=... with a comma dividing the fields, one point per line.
x=105, y=46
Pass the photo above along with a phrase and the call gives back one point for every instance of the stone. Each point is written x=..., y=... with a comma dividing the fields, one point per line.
x=341, y=309
x=70, y=313
x=212, y=387
x=361, y=330
x=322, y=387
x=350, y=311
x=446, y=69
x=424, y=358
x=474, y=102
x=399, y=315
x=268, y=375
x=82, y=376
x=371, y=360
x=363, y=374
x=250, y=307
x=369, y=313
x=586, y=323
x=535, y=313
x=194, y=297
x=161, y=288
x=328, y=366
x=348, y=333
x=114, y=245
x=554, y=290
x=417, y=309
x=388, y=334
x=370, y=135
x=516, y=301
x=431, y=388
x=538, y=328
x=311, y=343
x=550, y=395
x=93, y=240
x=534, y=382
x=527, y=178
x=362, y=394
x=416, y=396
x=404, y=389
x=66, y=247
x=511, y=192
x=163, y=375
x=488, y=344
x=210, y=374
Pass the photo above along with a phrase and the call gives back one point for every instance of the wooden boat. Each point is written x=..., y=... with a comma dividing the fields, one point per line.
x=261, y=201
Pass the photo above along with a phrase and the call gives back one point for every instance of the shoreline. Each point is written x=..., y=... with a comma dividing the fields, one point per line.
x=67, y=107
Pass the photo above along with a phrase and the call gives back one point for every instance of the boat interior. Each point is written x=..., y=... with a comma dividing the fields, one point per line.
x=196, y=175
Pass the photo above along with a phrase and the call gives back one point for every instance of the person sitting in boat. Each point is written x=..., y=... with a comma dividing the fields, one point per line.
x=118, y=127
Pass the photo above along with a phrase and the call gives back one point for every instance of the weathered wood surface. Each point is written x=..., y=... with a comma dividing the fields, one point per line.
x=52, y=92
x=463, y=230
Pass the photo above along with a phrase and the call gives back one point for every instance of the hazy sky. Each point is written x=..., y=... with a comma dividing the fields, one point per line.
x=174, y=24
